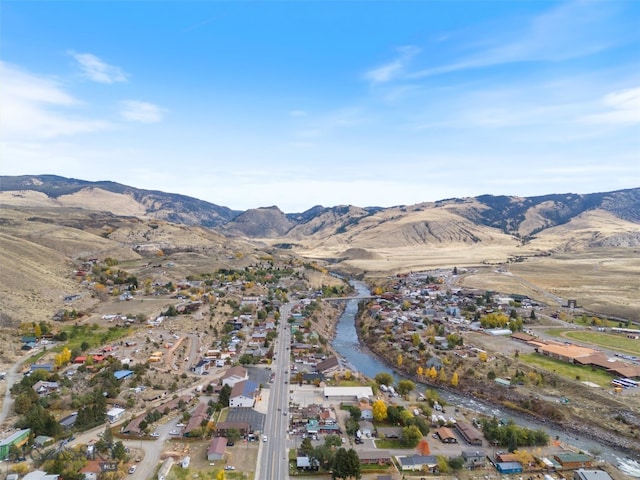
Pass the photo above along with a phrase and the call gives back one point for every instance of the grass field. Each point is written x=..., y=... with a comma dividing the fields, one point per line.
x=567, y=370
x=618, y=343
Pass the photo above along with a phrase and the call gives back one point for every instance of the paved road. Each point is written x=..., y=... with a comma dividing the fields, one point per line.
x=11, y=378
x=272, y=458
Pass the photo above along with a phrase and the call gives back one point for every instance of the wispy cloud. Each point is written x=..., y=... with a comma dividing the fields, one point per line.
x=570, y=30
x=38, y=107
x=393, y=69
x=622, y=108
x=297, y=113
x=143, y=112
x=96, y=70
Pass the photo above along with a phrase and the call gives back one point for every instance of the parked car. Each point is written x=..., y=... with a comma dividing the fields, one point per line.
x=229, y=467
x=155, y=434
x=230, y=443
x=174, y=432
x=132, y=469
x=180, y=425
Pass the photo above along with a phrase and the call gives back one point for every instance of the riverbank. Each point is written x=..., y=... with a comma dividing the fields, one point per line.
x=485, y=391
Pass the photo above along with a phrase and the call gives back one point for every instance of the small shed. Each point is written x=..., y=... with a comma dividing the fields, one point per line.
x=216, y=448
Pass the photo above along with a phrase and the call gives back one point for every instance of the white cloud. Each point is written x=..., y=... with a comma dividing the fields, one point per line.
x=143, y=112
x=36, y=107
x=297, y=113
x=98, y=71
x=394, y=69
x=570, y=30
x=623, y=108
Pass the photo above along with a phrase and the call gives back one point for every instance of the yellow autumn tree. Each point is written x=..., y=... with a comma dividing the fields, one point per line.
x=442, y=377
x=433, y=373
x=420, y=371
x=483, y=357
x=454, y=379
x=63, y=357
x=399, y=360
x=379, y=410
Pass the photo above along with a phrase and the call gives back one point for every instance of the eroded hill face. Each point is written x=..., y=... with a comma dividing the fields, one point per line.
x=49, y=222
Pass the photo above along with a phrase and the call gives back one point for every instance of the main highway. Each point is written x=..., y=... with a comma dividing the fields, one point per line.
x=273, y=460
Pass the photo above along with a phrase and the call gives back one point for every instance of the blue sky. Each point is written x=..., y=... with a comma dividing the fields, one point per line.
x=249, y=104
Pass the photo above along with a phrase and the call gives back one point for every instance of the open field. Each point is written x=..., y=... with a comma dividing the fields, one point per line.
x=619, y=343
x=568, y=370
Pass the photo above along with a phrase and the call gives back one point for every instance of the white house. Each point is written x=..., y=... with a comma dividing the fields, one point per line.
x=235, y=375
x=114, y=414
x=243, y=394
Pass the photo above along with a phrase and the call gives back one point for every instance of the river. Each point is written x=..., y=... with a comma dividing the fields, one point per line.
x=360, y=359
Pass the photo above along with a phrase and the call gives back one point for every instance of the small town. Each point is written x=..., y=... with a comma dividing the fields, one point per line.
x=238, y=378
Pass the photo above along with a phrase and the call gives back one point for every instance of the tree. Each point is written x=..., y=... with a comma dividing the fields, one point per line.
x=353, y=462
x=225, y=393
x=411, y=435
x=433, y=373
x=423, y=447
x=384, y=378
x=107, y=436
x=379, y=410
x=305, y=447
x=220, y=475
x=332, y=440
x=118, y=451
x=405, y=387
x=342, y=465
x=442, y=377
x=454, y=379
x=233, y=434
x=419, y=371
x=399, y=360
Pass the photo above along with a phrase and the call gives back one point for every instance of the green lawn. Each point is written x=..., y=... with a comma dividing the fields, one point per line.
x=616, y=342
x=91, y=335
x=568, y=370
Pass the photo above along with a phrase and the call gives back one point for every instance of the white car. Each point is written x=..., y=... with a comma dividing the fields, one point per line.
x=155, y=434
x=174, y=432
x=180, y=425
x=229, y=467
x=264, y=438
x=132, y=469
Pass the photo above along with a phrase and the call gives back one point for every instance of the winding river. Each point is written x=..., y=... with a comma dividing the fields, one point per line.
x=360, y=359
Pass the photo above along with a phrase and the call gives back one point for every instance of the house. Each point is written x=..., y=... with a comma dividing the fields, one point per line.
x=122, y=374
x=346, y=394
x=222, y=428
x=235, y=375
x=389, y=432
x=574, y=460
x=366, y=428
x=473, y=459
x=306, y=463
x=419, y=462
x=69, y=420
x=45, y=388
x=17, y=439
x=243, y=394
x=446, y=435
x=198, y=416
x=329, y=366
x=47, y=367
x=366, y=410
x=216, y=448
x=470, y=434
x=43, y=441
x=374, y=457
x=582, y=474
x=507, y=468
x=40, y=475
x=202, y=367
x=114, y=414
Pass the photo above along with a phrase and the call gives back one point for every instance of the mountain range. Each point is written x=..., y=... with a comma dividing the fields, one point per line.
x=457, y=219
x=49, y=222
